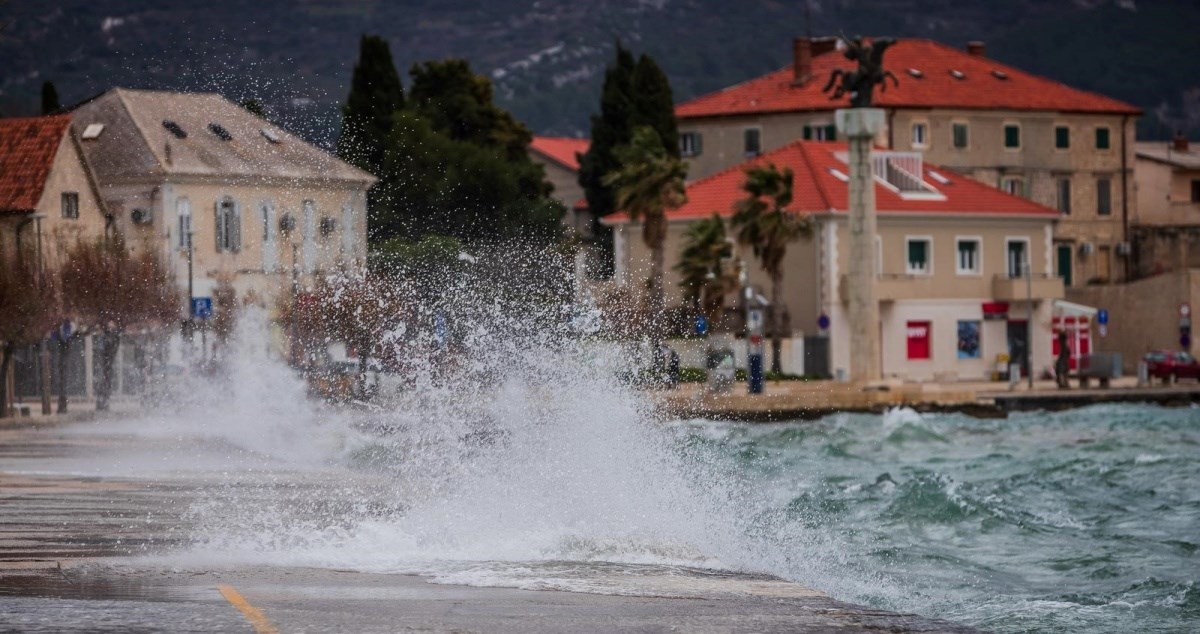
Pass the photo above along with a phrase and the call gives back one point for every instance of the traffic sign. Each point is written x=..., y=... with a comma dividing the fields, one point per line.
x=1185, y=309
x=823, y=322
x=701, y=324
x=202, y=307
x=1103, y=330
x=1102, y=317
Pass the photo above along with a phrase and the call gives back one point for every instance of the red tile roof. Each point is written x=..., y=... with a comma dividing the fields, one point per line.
x=816, y=189
x=985, y=84
x=27, y=150
x=561, y=150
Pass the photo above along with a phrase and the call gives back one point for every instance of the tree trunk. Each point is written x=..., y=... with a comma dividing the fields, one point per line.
x=776, y=309
x=64, y=347
x=110, y=343
x=6, y=354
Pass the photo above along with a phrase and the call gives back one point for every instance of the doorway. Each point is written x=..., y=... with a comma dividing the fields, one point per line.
x=1063, y=260
x=1018, y=345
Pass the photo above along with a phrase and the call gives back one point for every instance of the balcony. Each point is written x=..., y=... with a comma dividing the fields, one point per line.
x=890, y=288
x=1005, y=288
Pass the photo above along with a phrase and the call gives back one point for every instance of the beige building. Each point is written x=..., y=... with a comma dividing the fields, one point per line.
x=47, y=200
x=953, y=297
x=1063, y=148
x=256, y=200
x=559, y=156
x=1167, y=227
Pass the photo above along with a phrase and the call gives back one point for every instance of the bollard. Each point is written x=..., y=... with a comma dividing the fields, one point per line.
x=1014, y=375
x=1143, y=374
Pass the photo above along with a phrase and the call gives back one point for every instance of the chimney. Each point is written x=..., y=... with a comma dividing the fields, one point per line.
x=1180, y=143
x=801, y=60
x=976, y=48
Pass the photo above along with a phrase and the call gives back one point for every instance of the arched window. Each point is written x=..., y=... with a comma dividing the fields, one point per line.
x=183, y=209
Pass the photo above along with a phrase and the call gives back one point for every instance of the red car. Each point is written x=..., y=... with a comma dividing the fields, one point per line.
x=1170, y=366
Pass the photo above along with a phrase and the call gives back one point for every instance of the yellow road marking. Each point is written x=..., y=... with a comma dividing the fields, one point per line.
x=252, y=614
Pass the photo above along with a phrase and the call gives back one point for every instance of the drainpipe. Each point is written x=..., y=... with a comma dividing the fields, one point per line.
x=1125, y=197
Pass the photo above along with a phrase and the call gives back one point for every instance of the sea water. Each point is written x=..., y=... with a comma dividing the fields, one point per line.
x=529, y=464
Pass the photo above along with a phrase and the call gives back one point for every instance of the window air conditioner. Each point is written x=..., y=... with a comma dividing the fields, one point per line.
x=141, y=216
x=1085, y=248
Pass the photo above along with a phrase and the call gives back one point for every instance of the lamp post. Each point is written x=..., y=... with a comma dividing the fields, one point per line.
x=189, y=324
x=1028, y=319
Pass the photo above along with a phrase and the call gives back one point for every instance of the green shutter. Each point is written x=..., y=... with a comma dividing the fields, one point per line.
x=1012, y=136
x=699, y=143
x=807, y=133
x=830, y=132
x=1062, y=137
x=1102, y=142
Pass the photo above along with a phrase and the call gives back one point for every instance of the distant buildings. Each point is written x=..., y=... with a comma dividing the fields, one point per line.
x=1167, y=227
x=951, y=251
x=1064, y=148
x=559, y=156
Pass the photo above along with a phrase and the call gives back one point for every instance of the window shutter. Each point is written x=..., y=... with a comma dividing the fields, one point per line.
x=699, y=143
x=831, y=132
x=235, y=228
x=807, y=133
x=220, y=225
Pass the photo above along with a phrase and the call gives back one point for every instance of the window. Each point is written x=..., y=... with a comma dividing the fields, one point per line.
x=819, y=132
x=1196, y=190
x=918, y=256
x=1062, y=137
x=916, y=333
x=174, y=129
x=1064, y=195
x=220, y=131
x=1102, y=141
x=348, y=230
x=752, y=141
x=961, y=138
x=919, y=135
x=968, y=256
x=270, y=251
x=309, y=247
x=229, y=226
x=690, y=144
x=1012, y=136
x=1103, y=196
x=70, y=205
x=183, y=209
x=968, y=340
x=1017, y=256
x=1014, y=185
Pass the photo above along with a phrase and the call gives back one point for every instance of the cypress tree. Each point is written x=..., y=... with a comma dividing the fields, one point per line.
x=50, y=103
x=653, y=104
x=613, y=127
x=375, y=95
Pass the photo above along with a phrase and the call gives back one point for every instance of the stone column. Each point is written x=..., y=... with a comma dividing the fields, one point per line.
x=860, y=127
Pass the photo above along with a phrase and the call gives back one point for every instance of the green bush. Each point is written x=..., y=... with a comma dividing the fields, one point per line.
x=692, y=375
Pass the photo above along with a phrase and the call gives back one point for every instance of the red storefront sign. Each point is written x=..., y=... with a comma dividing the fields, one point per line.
x=1079, y=337
x=995, y=311
x=917, y=335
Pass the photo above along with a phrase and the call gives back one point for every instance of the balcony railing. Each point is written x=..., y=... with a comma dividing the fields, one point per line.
x=1040, y=286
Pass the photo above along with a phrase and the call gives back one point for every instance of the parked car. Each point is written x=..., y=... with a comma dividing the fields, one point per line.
x=1169, y=366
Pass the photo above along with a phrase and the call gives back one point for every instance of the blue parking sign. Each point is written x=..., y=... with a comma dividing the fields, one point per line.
x=202, y=307
x=1102, y=317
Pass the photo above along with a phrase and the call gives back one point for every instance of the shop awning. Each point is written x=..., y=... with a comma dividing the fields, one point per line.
x=1071, y=309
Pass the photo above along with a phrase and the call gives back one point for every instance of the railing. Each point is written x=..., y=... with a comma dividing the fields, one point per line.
x=1039, y=286
x=902, y=170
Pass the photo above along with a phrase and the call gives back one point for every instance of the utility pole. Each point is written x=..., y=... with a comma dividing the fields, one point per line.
x=1029, y=318
x=190, y=324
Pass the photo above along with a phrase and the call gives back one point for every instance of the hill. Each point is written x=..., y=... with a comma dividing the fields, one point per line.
x=547, y=56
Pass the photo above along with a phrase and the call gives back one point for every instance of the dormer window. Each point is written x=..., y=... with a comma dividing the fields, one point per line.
x=220, y=131
x=270, y=135
x=958, y=74
x=916, y=73
x=174, y=129
x=999, y=74
x=92, y=131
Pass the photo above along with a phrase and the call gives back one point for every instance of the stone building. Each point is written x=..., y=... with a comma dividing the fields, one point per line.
x=257, y=201
x=1061, y=147
x=1167, y=226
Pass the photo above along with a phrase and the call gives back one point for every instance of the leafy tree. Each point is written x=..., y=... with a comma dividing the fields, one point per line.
x=653, y=104
x=764, y=223
x=360, y=309
x=375, y=94
x=649, y=182
x=28, y=311
x=701, y=265
x=111, y=290
x=254, y=107
x=467, y=175
x=50, y=102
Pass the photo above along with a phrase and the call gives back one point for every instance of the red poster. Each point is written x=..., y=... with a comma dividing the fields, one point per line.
x=917, y=333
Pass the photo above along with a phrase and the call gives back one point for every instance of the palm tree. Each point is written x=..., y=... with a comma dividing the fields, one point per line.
x=648, y=183
x=763, y=223
x=705, y=282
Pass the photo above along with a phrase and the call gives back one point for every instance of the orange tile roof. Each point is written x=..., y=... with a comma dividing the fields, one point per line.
x=816, y=189
x=560, y=149
x=985, y=84
x=27, y=150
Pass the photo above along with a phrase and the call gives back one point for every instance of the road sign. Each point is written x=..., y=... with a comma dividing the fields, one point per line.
x=823, y=322
x=1102, y=317
x=701, y=324
x=1185, y=309
x=1103, y=330
x=202, y=307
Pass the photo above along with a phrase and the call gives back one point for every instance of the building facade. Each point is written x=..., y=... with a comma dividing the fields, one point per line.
x=1167, y=227
x=955, y=296
x=1063, y=148
x=257, y=203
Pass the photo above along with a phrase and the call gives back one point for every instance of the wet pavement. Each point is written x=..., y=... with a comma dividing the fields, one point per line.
x=85, y=550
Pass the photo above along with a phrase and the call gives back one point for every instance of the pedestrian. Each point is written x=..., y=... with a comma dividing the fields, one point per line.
x=1062, y=363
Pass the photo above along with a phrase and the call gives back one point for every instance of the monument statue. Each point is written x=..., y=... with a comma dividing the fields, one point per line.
x=860, y=84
